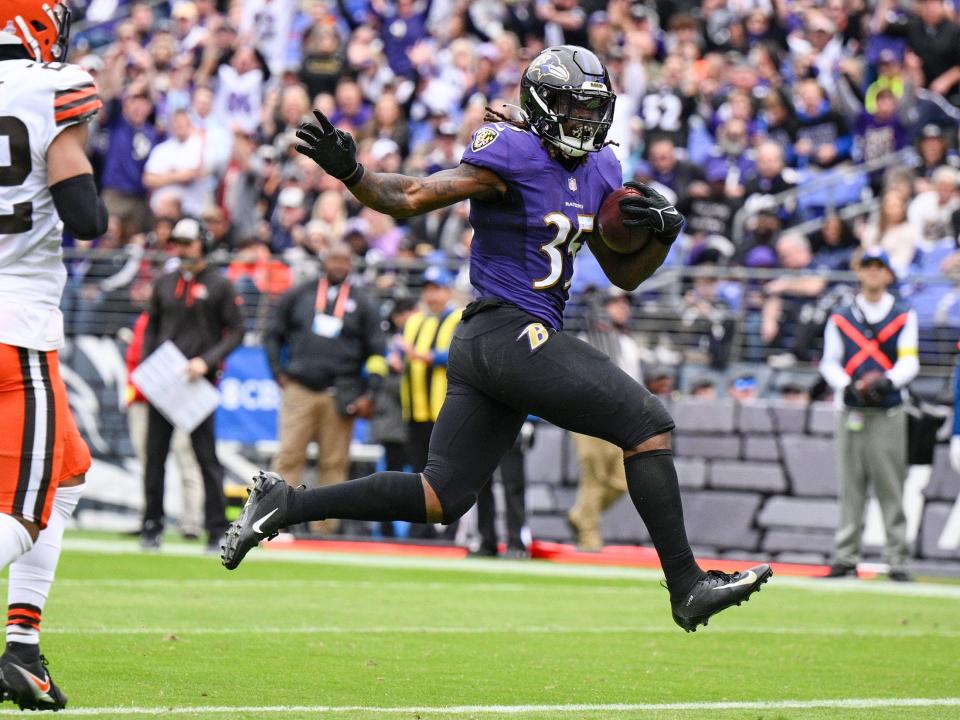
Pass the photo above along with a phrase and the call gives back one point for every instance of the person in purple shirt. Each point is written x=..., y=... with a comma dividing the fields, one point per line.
x=129, y=139
x=535, y=186
x=402, y=25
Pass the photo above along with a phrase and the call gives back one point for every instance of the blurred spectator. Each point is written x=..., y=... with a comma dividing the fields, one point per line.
x=325, y=348
x=513, y=480
x=703, y=388
x=603, y=479
x=892, y=232
x=823, y=136
x=933, y=37
x=267, y=24
x=704, y=307
x=743, y=388
x=934, y=152
x=288, y=219
x=930, y=213
x=659, y=381
x=401, y=25
x=869, y=354
x=128, y=141
x=664, y=168
x=223, y=240
x=176, y=170
x=768, y=178
x=238, y=102
x=388, y=425
x=323, y=59
x=785, y=324
x=426, y=341
x=794, y=392
x=194, y=307
x=834, y=243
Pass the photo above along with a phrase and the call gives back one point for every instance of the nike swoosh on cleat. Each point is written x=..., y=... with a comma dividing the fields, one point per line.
x=259, y=523
x=748, y=579
x=42, y=685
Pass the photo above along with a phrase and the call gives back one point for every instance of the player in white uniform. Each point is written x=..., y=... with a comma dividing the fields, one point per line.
x=46, y=184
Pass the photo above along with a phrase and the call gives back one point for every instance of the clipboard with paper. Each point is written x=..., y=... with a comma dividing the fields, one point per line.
x=162, y=378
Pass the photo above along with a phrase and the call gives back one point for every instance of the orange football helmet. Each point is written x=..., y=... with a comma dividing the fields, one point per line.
x=43, y=27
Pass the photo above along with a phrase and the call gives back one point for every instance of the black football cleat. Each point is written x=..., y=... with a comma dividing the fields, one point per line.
x=24, y=679
x=715, y=592
x=262, y=516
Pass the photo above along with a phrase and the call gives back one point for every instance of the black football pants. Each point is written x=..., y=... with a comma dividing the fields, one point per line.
x=504, y=365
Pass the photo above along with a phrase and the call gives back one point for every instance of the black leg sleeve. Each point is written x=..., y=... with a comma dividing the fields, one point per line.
x=382, y=496
x=652, y=481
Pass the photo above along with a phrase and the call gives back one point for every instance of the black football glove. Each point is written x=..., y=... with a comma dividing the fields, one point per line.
x=333, y=150
x=874, y=393
x=652, y=210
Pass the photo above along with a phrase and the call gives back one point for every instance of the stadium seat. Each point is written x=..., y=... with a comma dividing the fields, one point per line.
x=787, y=512
x=715, y=416
x=543, y=462
x=705, y=446
x=944, y=482
x=823, y=418
x=811, y=465
x=788, y=417
x=761, y=447
x=931, y=531
x=754, y=417
x=549, y=527
x=759, y=476
x=621, y=523
x=539, y=498
x=788, y=541
x=722, y=519
x=691, y=472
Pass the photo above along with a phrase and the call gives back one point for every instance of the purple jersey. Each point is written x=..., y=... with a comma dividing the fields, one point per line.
x=524, y=245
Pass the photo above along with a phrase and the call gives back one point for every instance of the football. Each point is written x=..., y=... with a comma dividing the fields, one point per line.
x=615, y=235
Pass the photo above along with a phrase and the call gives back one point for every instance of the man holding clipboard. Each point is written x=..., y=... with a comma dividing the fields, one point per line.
x=197, y=309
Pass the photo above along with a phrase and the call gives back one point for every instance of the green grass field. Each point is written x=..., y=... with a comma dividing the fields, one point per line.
x=298, y=635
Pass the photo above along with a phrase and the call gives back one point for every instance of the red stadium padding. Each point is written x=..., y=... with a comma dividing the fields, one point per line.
x=612, y=555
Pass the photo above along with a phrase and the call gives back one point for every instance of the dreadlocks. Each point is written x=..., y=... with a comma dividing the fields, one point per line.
x=492, y=115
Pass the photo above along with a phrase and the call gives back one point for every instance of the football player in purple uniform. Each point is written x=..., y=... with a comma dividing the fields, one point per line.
x=535, y=187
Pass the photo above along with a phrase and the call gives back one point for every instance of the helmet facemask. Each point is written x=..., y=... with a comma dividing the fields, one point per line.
x=575, y=120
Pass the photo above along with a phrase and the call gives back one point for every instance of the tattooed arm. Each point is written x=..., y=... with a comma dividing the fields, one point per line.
x=404, y=195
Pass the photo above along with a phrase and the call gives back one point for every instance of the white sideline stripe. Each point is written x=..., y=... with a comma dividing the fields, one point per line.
x=507, y=567
x=849, y=704
x=484, y=630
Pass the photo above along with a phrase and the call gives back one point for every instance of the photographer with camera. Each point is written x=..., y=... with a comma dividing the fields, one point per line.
x=869, y=354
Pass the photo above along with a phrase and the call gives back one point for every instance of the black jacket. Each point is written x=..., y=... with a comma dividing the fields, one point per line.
x=317, y=362
x=200, y=315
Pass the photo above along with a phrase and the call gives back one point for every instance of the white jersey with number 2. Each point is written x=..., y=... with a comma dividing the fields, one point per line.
x=38, y=101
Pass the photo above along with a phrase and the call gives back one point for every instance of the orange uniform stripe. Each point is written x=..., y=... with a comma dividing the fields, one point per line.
x=27, y=613
x=75, y=95
x=94, y=104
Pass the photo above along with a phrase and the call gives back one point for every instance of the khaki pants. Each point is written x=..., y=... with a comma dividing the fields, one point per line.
x=602, y=481
x=305, y=416
x=191, y=519
x=874, y=455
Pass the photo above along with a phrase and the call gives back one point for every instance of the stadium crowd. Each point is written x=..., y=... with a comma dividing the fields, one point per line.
x=727, y=107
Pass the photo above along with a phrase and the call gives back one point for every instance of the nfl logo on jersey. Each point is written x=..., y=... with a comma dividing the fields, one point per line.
x=572, y=184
